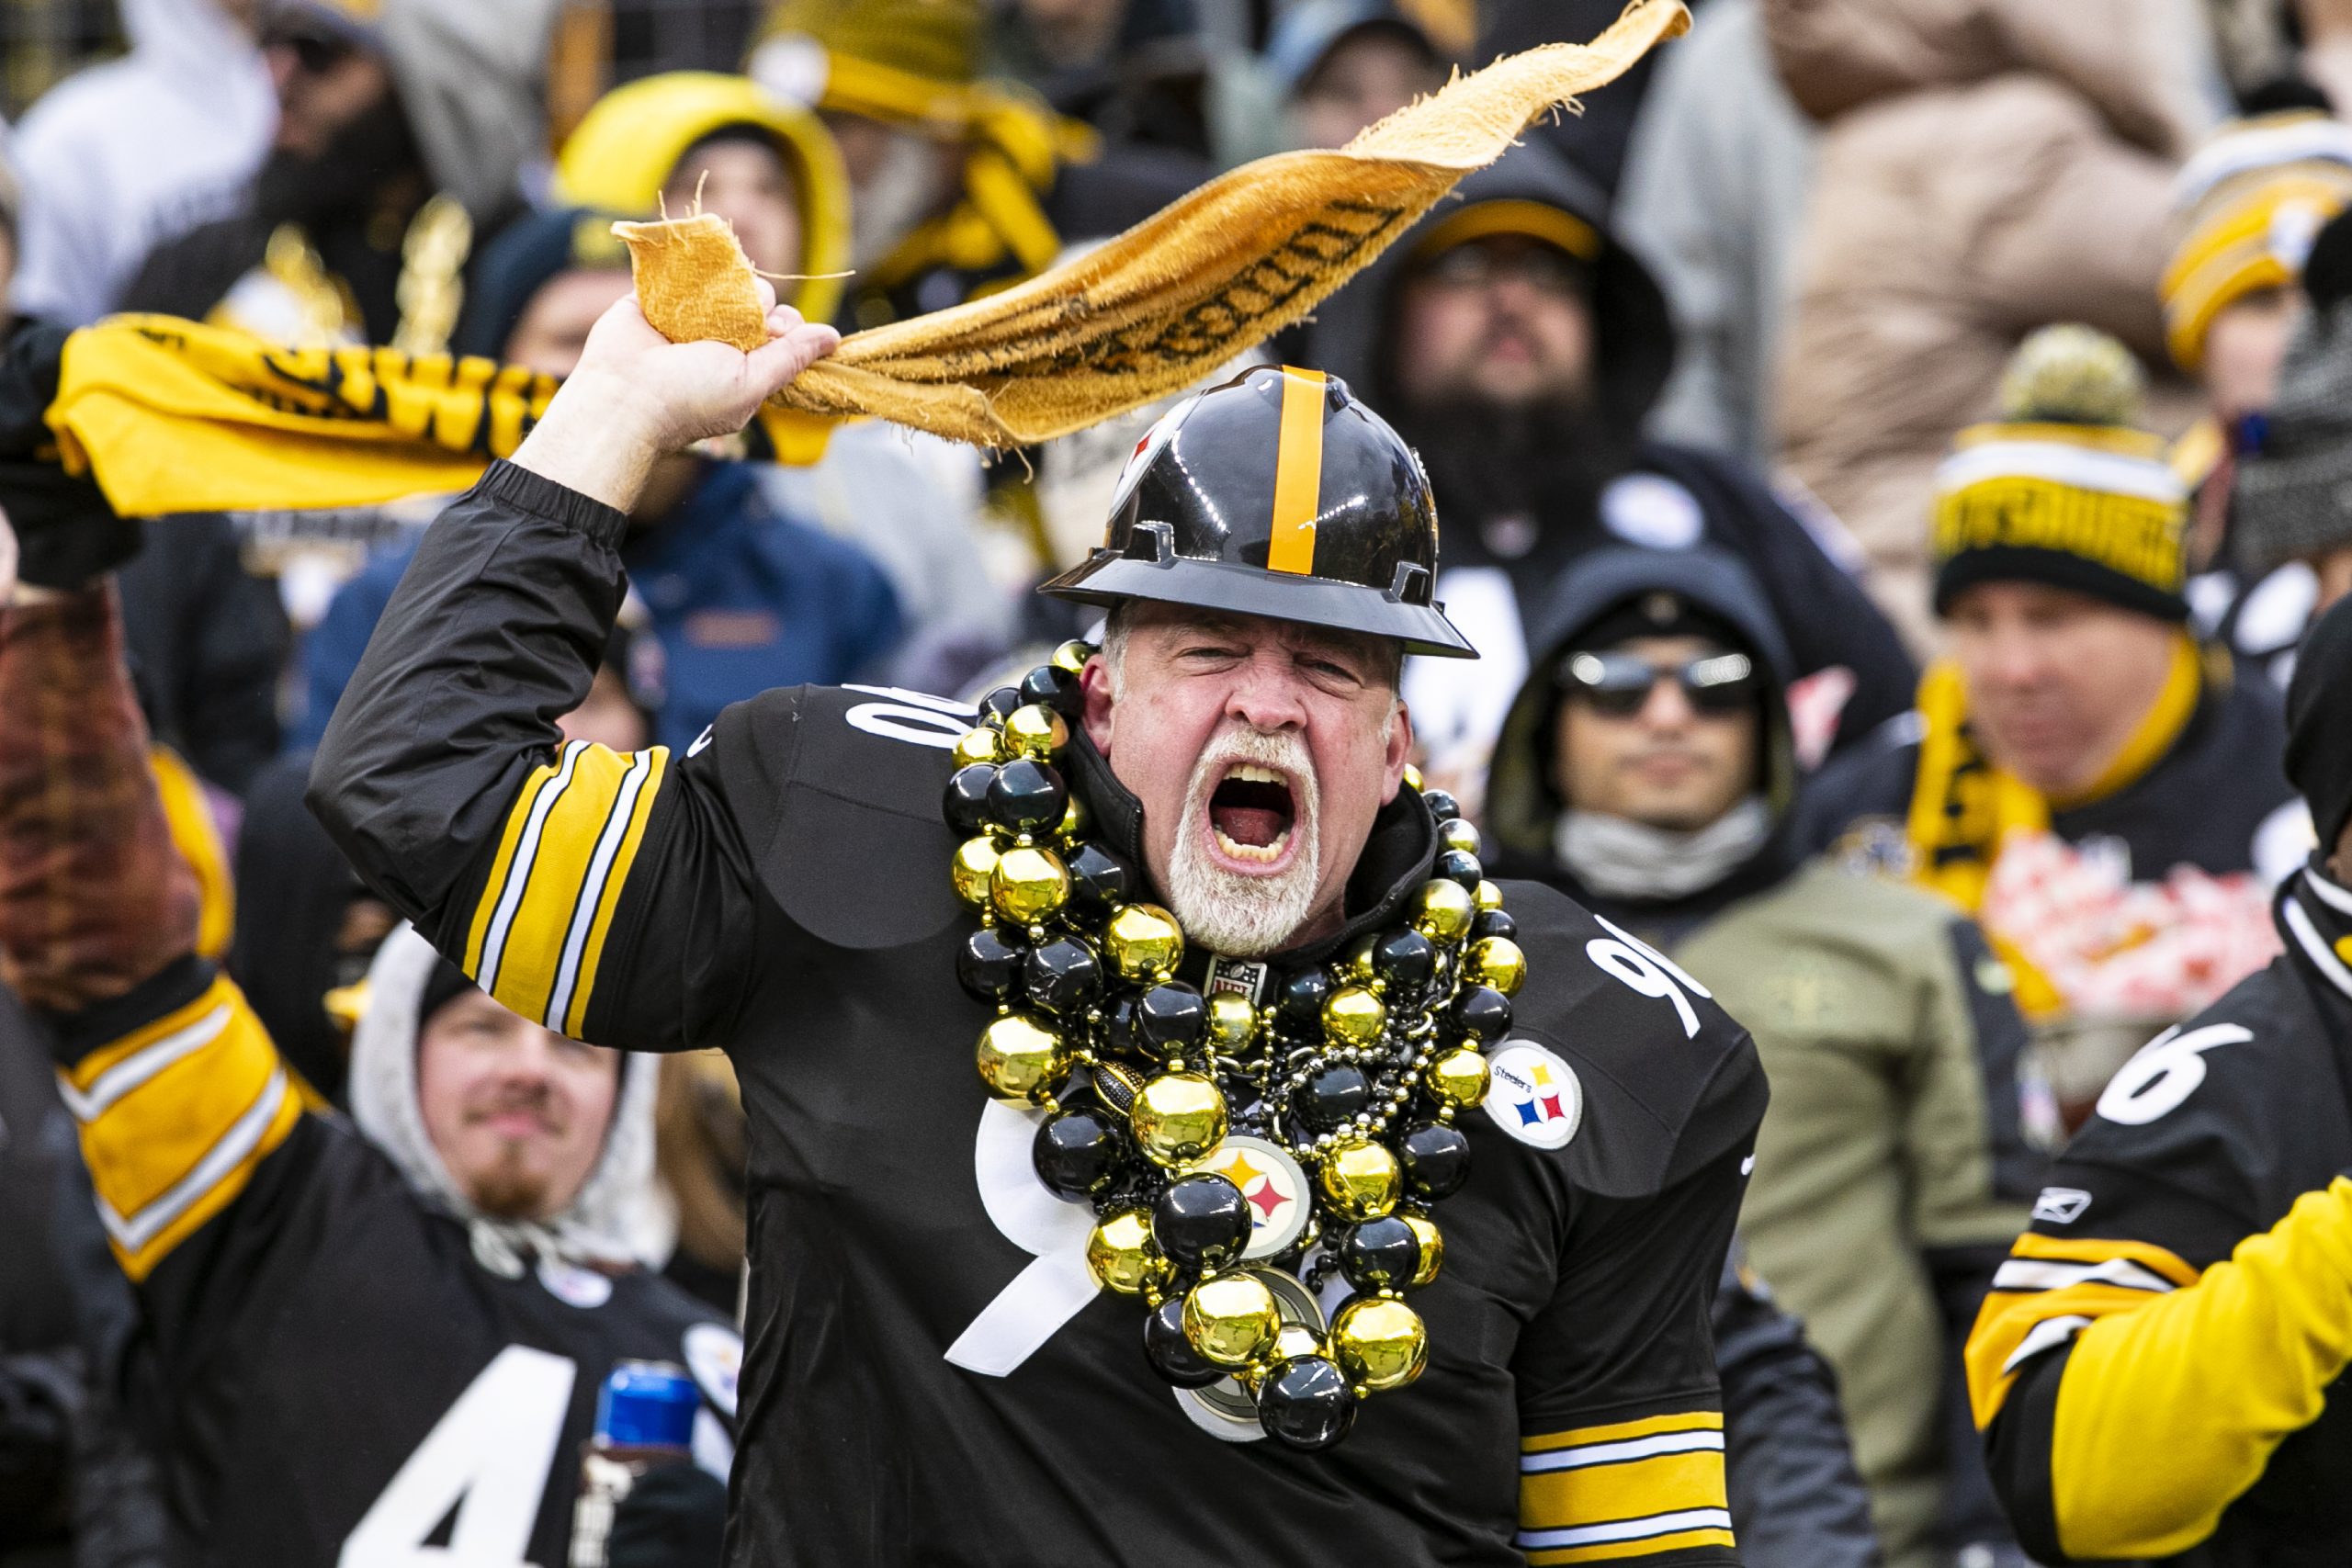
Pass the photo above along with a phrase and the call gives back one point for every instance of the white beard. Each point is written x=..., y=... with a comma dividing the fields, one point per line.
x=1235, y=915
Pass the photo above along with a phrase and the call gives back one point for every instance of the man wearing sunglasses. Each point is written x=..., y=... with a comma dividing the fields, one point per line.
x=1646, y=769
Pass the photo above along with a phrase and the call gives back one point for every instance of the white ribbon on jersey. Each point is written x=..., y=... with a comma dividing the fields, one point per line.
x=1057, y=1284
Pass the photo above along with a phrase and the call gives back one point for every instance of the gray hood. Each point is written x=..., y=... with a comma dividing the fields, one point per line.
x=618, y=1217
x=472, y=79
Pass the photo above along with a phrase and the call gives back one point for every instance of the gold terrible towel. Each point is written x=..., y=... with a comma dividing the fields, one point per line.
x=175, y=416
x=1168, y=300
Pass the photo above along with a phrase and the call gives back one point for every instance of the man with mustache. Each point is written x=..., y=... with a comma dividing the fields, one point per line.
x=1521, y=346
x=351, y=1334
x=945, y=1364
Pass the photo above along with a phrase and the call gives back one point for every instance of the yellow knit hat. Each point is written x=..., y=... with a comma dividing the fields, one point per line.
x=628, y=143
x=910, y=62
x=2247, y=206
x=2064, y=489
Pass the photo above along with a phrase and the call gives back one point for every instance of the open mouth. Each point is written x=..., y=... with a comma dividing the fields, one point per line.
x=1252, y=813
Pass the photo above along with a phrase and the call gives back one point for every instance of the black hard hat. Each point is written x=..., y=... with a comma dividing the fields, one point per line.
x=1276, y=494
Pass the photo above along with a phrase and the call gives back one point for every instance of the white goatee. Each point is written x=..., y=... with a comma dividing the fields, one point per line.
x=1227, y=912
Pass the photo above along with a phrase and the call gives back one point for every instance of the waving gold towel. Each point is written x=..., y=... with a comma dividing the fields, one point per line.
x=172, y=416
x=1176, y=296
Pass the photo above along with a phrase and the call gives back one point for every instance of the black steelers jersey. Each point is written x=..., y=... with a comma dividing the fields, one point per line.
x=341, y=1382
x=932, y=1376
x=2159, y=1365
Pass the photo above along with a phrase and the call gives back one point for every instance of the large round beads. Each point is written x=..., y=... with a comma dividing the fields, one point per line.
x=1305, y=1403
x=1020, y=1058
x=1143, y=943
x=1231, y=1319
x=1361, y=1179
x=1379, y=1342
x=1119, y=1253
x=1026, y=885
x=1178, y=1117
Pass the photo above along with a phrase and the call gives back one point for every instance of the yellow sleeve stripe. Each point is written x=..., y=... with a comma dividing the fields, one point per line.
x=1689, y=1421
x=2095, y=1249
x=1632, y=1489
x=2015, y=1326
x=1629, y=1537
x=539, y=933
x=173, y=1128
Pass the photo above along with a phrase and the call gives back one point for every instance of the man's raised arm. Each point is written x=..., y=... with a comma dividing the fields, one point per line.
x=532, y=864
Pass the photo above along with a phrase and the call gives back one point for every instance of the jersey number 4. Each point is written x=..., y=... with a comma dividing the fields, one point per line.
x=488, y=1458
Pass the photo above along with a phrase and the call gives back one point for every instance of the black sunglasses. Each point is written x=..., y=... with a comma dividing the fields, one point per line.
x=1619, y=684
x=315, y=52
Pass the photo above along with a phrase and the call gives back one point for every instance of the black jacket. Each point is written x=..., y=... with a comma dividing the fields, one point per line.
x=780, y=891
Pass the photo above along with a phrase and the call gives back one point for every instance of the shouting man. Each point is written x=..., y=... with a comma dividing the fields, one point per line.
x=941, y=1367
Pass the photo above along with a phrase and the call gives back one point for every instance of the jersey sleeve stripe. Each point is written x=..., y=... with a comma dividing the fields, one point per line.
x=592, y=921
x=1664, y=1483
x=1581, y=1437
x=571, y=839
x=1619, y=1452
x=172, y=1131
x=1681, y=1540
x=2039, y=1303
x=1626, y=1537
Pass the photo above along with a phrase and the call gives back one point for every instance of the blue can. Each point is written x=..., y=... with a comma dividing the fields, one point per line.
x=647, y=1405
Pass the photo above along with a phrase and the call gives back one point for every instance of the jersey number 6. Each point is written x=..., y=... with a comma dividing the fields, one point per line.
x=2164, y=1072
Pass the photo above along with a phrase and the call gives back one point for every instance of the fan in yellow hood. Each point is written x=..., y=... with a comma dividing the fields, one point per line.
x=631, y=142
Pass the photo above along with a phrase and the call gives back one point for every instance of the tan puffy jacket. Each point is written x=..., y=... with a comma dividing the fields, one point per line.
x=1986, y=167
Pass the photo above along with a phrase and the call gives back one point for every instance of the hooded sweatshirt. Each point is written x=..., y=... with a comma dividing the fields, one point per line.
x=1508, y=542
x=1892, y=1165
x=123, y=156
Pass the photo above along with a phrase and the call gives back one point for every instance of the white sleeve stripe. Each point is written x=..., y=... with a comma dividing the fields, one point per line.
x=2047, y=1335
x=2043, y=1274
x=518, y=870
x=243, y=1136
x=1619, y=1452
x=2315, y=947
x=592, y=890
x=133, y=1070
x=1627, y=1529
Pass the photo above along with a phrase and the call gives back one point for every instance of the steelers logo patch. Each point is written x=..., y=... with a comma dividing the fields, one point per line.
x=1533, y=1095
x=1274, y=1186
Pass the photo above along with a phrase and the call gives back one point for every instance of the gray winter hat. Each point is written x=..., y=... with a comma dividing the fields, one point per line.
x=2293, y=494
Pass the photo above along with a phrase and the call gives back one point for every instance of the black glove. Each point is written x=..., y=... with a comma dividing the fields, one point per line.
x=31, y=356
x=66, y=533
x=672, y=1517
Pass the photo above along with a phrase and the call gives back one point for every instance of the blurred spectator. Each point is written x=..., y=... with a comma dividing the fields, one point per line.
x=1345, y=64
x=2252, y=202
x=770, y=169
x=1518, y=346
x=1984, y=166
x=402, y=127
x=957, y=185
x=125, y=156
x=1647, y=769
x=1788, y=1467
x=209, y=643
x=738, y=597
x=1142, y=72
x=2289, y=520
x=2082, y=775
x=1714, y=195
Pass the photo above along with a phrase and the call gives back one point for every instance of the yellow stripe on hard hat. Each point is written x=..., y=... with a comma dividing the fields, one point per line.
x=1298, y=473
x=1562, y=229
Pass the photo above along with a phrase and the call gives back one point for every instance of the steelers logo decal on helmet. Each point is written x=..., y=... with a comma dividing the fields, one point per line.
x=1533, y=1095
x=1276, y=494
x=1273, y=1185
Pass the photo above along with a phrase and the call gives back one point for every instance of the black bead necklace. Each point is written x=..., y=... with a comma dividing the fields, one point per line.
x=1189, y=1122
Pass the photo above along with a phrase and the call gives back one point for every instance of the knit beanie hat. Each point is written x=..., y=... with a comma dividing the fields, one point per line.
x=2292, y=496
x=2064, y=489
x=2319, y=743
x=907, y=61
x=2246, y=207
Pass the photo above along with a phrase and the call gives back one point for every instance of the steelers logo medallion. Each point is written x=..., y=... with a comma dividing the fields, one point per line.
x=1226, y=1409
x=1280, y=1199
x=1533, y=1095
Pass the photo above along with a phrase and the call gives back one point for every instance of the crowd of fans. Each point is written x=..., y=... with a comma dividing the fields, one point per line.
x=1888, y=453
